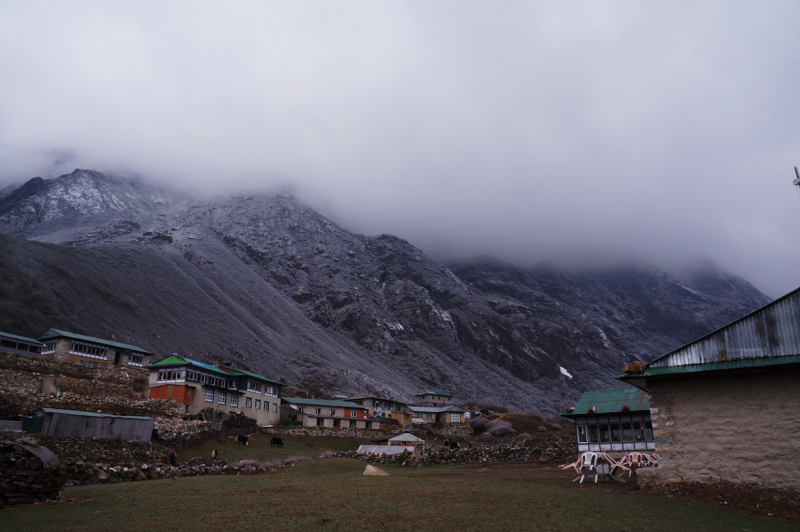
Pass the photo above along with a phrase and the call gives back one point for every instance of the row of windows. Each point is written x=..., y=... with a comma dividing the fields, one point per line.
x=627, y=431
x=19, y=346
x=49, y=347
x=222, y=398
x=135, y=360
x=331, y=412
x=257, y=387
x=179, y=374
x=88, y=350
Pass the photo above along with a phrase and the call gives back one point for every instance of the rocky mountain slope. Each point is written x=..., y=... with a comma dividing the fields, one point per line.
x=272, y=284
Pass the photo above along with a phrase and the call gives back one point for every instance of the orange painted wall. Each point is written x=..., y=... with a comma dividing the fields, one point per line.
x=181, y=394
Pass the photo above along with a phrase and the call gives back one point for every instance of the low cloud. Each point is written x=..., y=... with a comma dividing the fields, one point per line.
x=552, y=131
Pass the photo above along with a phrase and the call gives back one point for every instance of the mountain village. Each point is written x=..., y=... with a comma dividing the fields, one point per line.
x=685, y=418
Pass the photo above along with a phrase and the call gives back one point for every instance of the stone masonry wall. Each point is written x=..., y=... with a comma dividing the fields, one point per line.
x=741, y=429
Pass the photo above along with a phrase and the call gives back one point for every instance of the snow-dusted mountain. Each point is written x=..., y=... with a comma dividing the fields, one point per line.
x=272, y=284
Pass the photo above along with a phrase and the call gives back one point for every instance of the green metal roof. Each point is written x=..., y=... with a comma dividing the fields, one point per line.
x=55, y=333
x=88, y=414
x=175, y=360
x=610, y=401
x=320, y=402
x=434, y=392
x=21, y=338
x=236, y=372
x=739, y=363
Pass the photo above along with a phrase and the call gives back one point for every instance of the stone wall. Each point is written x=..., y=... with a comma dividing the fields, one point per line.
x=736, y=428
x=30, y=384
x=554, y=448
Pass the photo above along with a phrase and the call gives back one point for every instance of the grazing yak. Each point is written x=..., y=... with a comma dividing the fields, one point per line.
x=454, y=445
x=276, y=442
x=244, y=440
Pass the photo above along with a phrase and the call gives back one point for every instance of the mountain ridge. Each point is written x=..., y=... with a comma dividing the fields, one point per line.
x=355, y=313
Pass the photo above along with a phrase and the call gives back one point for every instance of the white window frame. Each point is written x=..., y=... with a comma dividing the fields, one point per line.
x=49, y=347
x=234, y=401
x=209, y=396
x=88, y=350
x=317, y=411
x=333, y=412
x=302, y=409
x=258, y=404
x=248, y=402
x=222, y=397
x=354, y=413
x=455, y=418
x=274, y=407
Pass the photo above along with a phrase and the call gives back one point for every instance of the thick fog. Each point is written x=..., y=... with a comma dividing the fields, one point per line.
x=563, y=131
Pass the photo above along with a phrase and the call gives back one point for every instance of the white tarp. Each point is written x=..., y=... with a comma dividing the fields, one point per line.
x=384, y=449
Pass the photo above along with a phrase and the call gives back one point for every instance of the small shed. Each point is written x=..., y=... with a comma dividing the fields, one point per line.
x=405, y=440
x=57, y=422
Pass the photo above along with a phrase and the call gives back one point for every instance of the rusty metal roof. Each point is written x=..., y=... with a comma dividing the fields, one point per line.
x=771, y=331
x=743, y=363
x=610, y=401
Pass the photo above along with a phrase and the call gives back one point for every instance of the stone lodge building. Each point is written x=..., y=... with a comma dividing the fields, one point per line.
x=727, y=406
x=62, y=346
x=199, y=386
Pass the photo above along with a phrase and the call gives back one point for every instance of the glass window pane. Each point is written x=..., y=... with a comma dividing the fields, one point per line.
x=593, y=437
x=627, y=433
x=582, y=434
x=604, y=433
x=648, y=431
x=638, y=431
x=616, y=432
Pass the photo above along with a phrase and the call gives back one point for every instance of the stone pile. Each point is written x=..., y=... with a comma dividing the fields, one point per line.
x=24, y=479
x=323, y=431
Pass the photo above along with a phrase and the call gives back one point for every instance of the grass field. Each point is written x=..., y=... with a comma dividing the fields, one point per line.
x=332, y=495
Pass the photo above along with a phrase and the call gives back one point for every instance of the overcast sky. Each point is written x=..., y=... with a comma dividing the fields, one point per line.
x=526, y=130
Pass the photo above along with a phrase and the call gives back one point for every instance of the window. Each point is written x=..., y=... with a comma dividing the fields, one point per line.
x=234, y=401
x=135, y=359
x=627, y=433
x=582, y=434
x=616, y=432
x=317, y=411
x=274, y=407
x=253, y=386
x=455, y=418
x=302, y=409
x=428, y=416
x=258, y=404
x=604, y=433
x=209, y=396
x=648, y=431
x=593, y=436
x=88, y=350
x=222, y=397
x=266, y=406
x=333, y=412
x=353, y=413
x=248, y=402
x=353, y=423
x=638, y=431
x=49, y=347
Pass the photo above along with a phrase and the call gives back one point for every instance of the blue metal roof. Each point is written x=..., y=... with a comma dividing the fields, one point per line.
x=55, y=333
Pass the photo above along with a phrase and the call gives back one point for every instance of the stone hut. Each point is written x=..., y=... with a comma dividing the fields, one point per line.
x=726, y=406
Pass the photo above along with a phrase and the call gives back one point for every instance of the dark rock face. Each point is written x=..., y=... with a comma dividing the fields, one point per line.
x=282, y=290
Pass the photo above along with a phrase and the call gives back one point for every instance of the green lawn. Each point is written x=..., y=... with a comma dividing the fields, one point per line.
x=332, y=494
x=259, y=448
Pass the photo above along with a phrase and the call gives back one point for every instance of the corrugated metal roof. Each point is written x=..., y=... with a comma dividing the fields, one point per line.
x=610, y=401
x=55, y=333
x=771, y=331
x=88, y=414
x=21, y=338
x=434, y=392
x=236, y=371
x=406, y=436
x=715, y=366
x=176, y=360
x=320, y=402
x=354, y=397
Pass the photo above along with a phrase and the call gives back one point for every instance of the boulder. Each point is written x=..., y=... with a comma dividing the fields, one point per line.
x=372, y=471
